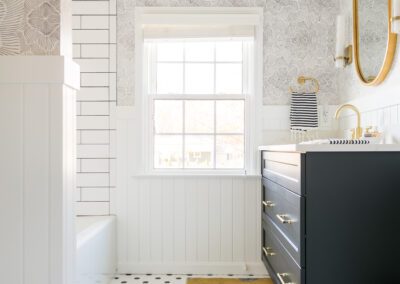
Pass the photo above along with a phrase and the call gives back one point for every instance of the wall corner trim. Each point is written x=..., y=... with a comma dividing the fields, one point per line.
x=39, y=70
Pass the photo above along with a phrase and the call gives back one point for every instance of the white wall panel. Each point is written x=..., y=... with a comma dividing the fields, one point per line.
x=11, y=201
x=183, y=223
x=191, y=224
x=36, y=178
x=37, y=167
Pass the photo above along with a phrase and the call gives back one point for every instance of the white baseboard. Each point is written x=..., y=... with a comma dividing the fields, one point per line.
x=238, y=268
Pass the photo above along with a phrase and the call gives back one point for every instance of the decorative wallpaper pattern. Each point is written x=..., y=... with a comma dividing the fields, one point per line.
x=29, y=27
x=299, y=39
x=11, y=14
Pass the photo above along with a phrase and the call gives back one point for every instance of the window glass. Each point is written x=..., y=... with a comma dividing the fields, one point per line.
x=198, y=119
x=199, y=116
x=229, y=78
x=168, y=116
x=169, y=78
x=199, y=151
x=168, y=151
x=199, y=78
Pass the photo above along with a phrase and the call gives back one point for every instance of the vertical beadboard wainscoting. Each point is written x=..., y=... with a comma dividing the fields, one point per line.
x=183, y=224
x=191, y=225
x=37, y=169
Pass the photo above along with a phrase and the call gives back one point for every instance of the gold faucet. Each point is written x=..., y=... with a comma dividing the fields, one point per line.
x=356, y=132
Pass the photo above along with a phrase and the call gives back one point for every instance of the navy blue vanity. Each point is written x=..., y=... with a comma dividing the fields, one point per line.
x=331, y=216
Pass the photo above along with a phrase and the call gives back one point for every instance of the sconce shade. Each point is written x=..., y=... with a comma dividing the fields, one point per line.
x=396, y=16
x=340, y=55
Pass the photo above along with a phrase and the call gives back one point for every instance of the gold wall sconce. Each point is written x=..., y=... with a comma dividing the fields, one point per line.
x=344, y=52
x=346, y=59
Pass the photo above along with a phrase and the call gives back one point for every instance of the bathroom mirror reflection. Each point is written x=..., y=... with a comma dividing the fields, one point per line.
x=374, y=43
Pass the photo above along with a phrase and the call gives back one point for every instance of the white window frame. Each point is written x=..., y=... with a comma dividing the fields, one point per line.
x=253, y=102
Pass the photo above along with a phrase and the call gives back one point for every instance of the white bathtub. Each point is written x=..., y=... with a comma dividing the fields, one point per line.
x=96, y=249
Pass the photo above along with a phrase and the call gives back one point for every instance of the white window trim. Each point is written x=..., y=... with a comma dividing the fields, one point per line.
x=253, y=109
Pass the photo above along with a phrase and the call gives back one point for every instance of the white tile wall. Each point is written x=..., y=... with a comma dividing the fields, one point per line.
x=95, y=22
x=95, y=50
x=95, y=165
x=91, y=8
x=94, y=94
x=92, y=79
x=93, y=122
x=95, y=136
x=94, y=38
x=90, y=36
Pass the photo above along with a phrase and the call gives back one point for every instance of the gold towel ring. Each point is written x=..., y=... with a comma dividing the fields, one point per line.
x=303, y=79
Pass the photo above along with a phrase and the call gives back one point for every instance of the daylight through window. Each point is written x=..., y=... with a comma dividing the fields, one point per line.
x=197, y=89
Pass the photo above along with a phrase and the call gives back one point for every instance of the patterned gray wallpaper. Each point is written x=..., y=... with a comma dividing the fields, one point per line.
x=29, y=27
x=299, y=39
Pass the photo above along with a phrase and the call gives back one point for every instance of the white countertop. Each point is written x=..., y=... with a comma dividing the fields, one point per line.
x=304, y=148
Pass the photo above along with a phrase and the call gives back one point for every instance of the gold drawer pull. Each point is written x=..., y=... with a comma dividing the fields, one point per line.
x=282, y=276
x=284, y=219
x=268, y=251
x=268, y=204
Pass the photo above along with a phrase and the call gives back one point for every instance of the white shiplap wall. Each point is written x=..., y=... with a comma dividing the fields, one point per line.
x=37, y=169
x=95, y=50
x=184, y=224
x=190, y=225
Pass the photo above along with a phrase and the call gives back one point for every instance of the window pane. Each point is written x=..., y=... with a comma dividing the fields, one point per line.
x=199, y=116
x=199, y=51
x=229, y=78
x=230, y=116
x=169, y=78
x=229, y=51
x=199, y=151
x=230, y=151
x=199, y=78
x=168, y=151
x=170, y=51
x=168, y=116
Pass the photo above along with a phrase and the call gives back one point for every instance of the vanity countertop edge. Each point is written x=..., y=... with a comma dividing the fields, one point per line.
x=304, y=148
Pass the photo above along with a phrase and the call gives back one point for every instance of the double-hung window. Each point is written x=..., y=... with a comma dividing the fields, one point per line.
x=197, y=82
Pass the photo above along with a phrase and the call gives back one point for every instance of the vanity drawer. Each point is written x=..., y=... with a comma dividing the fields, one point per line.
x=284, y=208
x=282, y=264
x=284, y=169
x=283, y=157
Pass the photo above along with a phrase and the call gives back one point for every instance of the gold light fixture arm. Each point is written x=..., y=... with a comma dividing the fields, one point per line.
x=348, y=57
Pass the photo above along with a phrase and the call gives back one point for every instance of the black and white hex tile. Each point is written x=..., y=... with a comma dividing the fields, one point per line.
x=171, y=278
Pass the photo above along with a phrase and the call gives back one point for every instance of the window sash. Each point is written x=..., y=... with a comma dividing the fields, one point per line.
x=152, y=96
x=152, y=61
x=215, y=134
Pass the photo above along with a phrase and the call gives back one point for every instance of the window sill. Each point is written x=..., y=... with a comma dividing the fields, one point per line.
x=195, y=175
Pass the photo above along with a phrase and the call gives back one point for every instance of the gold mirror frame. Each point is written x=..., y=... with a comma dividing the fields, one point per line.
x=390, y=48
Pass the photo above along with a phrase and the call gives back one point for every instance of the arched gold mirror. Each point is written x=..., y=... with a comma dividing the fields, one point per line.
x=374, y=42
